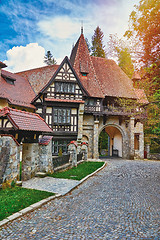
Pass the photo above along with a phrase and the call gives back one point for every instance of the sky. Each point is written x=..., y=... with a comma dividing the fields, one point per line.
x=29, y=28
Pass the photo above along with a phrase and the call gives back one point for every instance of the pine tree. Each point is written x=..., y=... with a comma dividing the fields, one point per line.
x=49, y=59
x=118, y=48
x=97, y=43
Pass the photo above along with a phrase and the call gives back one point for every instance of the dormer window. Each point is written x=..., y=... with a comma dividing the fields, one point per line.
x=84, y=74
x=9, y=79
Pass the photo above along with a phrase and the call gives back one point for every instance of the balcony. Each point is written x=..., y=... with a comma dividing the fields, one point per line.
x=116, y=111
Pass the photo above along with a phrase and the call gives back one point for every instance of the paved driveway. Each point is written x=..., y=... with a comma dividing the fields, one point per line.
x=120, y=202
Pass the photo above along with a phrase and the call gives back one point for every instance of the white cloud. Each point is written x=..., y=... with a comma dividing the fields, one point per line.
x=61, y=27
x=23, y=58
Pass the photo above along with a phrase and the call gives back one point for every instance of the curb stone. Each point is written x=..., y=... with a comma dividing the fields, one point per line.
x=43, y=201
x=28, y=209
x=85, y=178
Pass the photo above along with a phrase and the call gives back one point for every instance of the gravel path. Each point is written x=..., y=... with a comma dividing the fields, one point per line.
x=120, y=202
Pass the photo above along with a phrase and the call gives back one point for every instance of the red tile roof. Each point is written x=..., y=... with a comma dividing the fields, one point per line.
x=20, y=93
x=27, y=121
x=104, y=78
x=39, y=77
x=141, y=96
x=63, y=100
x=82, y=63
x=136, y=76
x=113, y=80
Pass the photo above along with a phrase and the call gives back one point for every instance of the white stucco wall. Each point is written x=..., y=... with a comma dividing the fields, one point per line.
x=117, y=143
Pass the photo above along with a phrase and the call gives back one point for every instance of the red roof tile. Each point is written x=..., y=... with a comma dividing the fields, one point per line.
x=82, y=63
x=27, y=121
x=20, y=93
x=39, y=77
x=104, y=78
x=141, y=96
x=113, y=80
x=136, y=76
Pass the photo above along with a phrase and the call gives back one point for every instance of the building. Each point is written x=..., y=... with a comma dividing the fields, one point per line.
x=78, y=99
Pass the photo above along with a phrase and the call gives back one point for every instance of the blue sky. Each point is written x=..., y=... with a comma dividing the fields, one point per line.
x=31, y=27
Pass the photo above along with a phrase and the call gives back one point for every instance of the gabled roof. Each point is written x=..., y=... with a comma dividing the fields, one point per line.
x=27, y=121
x=113, y=80
x=65, y=60
x=104, y=78
x=39, y=77
x=136, y=76
x=141, y=96
x=82, y=63
x=20, y=93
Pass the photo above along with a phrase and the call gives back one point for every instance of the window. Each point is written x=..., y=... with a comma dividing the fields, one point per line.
x=63, y=87
x=62, y=116
x=59, y=144
x=84, y=74
x=136, y=141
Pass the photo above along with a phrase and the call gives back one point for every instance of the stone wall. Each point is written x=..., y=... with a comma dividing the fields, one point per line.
x=30, y=162
x=45, y=158
x=9, y=159
x=154, y=156
x=92, y=129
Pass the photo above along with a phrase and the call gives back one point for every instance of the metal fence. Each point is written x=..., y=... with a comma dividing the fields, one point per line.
x=79, y=157
x=60, y=161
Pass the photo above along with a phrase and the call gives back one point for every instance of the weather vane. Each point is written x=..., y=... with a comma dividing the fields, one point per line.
x=82, y=27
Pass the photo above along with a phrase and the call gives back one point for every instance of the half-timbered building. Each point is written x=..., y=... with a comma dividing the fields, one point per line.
x=78, y=99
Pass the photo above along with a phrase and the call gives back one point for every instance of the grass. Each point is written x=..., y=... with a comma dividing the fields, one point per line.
x=79, y=172
x=15, y=199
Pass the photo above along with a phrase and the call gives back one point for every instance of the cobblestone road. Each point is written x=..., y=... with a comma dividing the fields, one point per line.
x=120, y=202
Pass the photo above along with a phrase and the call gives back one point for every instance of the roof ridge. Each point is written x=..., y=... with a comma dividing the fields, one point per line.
x=37, y=68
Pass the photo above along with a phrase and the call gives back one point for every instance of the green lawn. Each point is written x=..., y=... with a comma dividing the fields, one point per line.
x=79, y=172
x=15, y=199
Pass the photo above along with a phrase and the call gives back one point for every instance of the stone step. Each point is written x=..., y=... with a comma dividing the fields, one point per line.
x=19, y=183
x=41, y=174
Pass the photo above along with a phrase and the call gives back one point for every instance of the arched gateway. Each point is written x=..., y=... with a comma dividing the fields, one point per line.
x=115, y=140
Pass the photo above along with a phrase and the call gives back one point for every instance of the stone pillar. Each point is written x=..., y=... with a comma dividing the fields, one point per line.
x=95, y=140
x=45, y=158
x=141, y=145
x=30, y=162
x=84, y=150
x=80, y=123
x=72, y=149
x=131, y=138
x=148, y=150
x=9, y=158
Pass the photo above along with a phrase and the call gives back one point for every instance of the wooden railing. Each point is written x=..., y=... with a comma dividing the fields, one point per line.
x=114, y=110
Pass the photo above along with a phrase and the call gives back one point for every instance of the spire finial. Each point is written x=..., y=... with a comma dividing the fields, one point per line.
x=81, y=27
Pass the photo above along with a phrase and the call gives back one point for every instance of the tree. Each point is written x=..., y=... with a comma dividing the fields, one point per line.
x=49, y=59
x=145, y=27
x=97, y=43
x=144, y=31
x=88, y=45
x=117, y=48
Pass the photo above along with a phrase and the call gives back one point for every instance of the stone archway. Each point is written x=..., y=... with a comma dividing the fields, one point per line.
x=116, y=139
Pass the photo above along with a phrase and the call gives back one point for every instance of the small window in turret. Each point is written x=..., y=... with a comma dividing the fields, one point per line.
x=84, y=74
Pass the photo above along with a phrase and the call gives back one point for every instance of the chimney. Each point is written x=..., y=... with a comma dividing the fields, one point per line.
x=2, y=65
